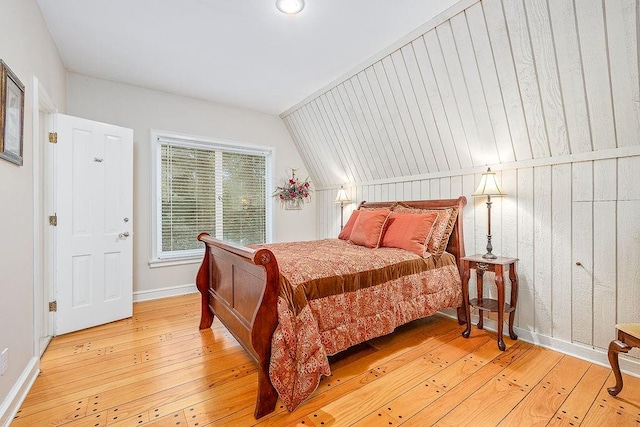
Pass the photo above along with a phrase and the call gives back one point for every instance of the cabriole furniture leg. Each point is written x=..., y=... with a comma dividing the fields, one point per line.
x=628, y=337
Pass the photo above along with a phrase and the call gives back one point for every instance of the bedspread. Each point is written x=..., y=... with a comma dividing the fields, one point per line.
x=334, y=294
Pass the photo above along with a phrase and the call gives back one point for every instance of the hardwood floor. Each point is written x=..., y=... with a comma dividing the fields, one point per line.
x=158, y=369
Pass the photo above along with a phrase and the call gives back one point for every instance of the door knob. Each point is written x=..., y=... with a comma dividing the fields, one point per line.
x=123, y=235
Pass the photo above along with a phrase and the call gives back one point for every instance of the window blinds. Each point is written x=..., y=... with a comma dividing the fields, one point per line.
x=243, y=198
x=210, y=190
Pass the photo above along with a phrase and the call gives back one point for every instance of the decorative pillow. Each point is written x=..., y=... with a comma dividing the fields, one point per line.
x=409, y=231
x=367, y=229
x=442, y=228
x=371, y=208
x=348, y=227
x=447, y=231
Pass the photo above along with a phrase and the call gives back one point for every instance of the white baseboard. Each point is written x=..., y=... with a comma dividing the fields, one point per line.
x=598, y=356
x=18, y=393
x=171, y=291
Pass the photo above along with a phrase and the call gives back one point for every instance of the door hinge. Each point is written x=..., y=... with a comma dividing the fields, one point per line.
x=53, y=306
x=53, y=137
x=53, y=220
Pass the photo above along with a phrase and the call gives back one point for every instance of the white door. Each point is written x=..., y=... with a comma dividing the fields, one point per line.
x=94, y=196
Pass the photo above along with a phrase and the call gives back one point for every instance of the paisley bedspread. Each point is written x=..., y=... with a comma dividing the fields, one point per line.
x=334, y=294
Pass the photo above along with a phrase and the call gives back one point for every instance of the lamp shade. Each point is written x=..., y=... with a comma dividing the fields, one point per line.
x=342, y=196
x=489, y=185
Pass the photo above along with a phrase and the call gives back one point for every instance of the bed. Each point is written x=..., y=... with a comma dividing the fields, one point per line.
x=291, y=305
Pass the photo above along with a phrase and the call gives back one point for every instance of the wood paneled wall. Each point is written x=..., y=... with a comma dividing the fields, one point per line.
x=501, y=81
x=545, y=92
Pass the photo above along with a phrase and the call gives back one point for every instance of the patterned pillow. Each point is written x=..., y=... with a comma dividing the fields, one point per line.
x=372, y=208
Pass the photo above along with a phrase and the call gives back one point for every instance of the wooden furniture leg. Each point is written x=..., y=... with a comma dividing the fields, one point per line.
x=465, y=297
x=479, y=283
x=500, y=286
x=267, y=395
x=513, y=276
x=616, y=347
x=628, y=337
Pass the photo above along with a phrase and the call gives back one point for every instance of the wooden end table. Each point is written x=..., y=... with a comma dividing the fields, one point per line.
x=497, y=266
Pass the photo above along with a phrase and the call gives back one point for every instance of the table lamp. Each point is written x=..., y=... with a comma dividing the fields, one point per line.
x=342, y=198
x=489, y=187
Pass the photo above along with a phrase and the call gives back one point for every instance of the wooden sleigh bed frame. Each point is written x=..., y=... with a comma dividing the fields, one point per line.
x=241, y=285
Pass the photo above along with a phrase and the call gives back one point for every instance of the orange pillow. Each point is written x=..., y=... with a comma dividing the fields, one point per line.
x=367, y=229
x=348, y=227
x=437, y=243
x=409, y=231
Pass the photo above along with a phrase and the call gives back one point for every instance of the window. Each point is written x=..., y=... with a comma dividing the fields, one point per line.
x=211, y=186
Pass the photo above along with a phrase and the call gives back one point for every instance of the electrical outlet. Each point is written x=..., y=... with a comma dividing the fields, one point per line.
x=4, y=361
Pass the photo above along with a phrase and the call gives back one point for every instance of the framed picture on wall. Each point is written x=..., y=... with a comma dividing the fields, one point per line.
x=11, y=115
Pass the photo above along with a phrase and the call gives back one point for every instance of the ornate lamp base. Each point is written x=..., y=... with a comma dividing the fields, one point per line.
x=489, y=255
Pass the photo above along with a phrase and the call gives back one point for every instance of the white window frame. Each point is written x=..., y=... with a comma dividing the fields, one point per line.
x=163, y=259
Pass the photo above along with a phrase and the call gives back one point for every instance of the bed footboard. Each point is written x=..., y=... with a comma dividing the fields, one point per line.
x=241, y=286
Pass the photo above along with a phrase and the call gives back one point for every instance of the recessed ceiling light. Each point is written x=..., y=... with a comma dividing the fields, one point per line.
x=290, y=6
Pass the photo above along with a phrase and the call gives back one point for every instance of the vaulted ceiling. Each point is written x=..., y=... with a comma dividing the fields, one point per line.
x=497, y=81
x=243, y=53
x=367, y=99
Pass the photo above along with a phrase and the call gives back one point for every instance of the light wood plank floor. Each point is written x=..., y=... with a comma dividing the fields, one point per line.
x=158, y=369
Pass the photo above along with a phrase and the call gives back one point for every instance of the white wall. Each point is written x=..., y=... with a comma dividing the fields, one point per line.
x=141, y=110
x=27, y=48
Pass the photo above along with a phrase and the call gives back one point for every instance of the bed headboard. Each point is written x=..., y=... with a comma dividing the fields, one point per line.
x=456, y=241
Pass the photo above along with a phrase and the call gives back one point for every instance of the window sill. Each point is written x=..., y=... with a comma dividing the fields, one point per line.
x=171, y=262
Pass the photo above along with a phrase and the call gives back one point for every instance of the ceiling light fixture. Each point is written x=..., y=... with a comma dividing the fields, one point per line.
x=290, y=7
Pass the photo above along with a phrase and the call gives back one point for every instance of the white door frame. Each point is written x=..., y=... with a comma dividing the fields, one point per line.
x=43, y=106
